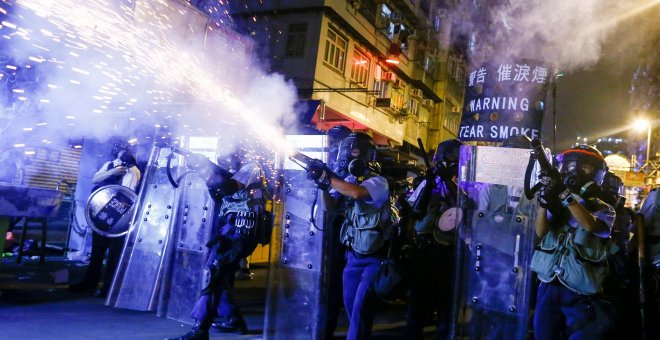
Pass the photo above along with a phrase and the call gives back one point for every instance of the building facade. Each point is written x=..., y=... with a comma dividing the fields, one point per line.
x=384, y=67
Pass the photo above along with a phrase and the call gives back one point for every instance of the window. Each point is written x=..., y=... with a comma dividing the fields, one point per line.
x=385, y=21
x=295, y=42
x=381, y=88
x=437, y=23
x=397, y=99
x=456, y=69
x=452, y=120
x=335, y=51
x=360, y=68
x=413, y=107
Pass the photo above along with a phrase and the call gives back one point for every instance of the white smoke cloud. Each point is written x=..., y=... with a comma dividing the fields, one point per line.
x=566, y=33
x=107, y=69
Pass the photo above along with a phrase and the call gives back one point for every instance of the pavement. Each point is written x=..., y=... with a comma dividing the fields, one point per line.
x=35, y=304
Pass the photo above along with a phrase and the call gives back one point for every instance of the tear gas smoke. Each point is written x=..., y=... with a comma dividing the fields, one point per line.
x=569, y=34
x=102, y=68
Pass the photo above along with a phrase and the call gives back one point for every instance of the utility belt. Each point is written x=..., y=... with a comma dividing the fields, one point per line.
x=380, y=253
x=556, y=282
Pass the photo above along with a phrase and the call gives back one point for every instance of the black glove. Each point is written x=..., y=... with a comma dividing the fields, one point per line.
x=446, y=172
x=549, y=195
x=320, y=174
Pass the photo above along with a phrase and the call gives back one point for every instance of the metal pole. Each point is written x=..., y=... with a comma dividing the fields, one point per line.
x=641, y=262
x=648, y=144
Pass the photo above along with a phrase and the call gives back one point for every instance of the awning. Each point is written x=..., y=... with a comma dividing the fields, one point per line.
x=306, y=109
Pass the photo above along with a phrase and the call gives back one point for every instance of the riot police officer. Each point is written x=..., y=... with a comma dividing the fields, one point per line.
x=571, y=259
x=337, y=250
x=365, y=230
x=431, y=275
x=241, y=199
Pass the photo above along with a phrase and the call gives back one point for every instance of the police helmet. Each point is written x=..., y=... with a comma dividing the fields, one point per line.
x=613, y=190
x=447, y=151
x=356, y=152
x=339, y=132
x=582, y=163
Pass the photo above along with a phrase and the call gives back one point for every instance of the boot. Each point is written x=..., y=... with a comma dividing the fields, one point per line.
x=244, y=274
x=197, y=332
x=230, y=324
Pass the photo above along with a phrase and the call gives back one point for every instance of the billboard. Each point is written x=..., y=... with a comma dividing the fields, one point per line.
x=504, y=99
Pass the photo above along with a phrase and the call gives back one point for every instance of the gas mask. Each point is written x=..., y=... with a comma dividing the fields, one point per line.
x=613, y=191
x=583, y=169
x=127, y=159
x=581, y=183
x=354, y=166
x=356, y=152
x=446, y=158
x=446, y=170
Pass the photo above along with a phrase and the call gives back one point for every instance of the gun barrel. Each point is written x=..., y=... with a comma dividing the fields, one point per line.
x=537, y=147
x=180, y=151
x=301, y=157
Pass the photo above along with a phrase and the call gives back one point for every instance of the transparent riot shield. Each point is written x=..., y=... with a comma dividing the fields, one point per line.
x=297, y=283
x=136, y=281
x=165, y=251
x=187, y=252
x=495, y=245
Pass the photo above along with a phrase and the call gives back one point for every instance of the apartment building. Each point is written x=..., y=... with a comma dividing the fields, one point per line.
x=386, y=67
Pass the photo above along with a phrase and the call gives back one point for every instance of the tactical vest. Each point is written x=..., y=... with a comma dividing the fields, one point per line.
x=574, y=256
x=244, y=207
x=429, y=223
x=366, y=229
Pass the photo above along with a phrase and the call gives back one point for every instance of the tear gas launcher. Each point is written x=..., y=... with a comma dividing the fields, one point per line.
x=218, y=180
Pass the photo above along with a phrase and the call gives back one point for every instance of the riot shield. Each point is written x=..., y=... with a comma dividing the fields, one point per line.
x=495, y=244
x=165, y=250
x=109, y=210
x=297, y=283
x=136, y=281
x=186, y=258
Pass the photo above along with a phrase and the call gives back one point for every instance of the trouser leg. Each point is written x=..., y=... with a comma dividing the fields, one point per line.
x=114, y=253
x=548, y=319
x=364, y=301
x=100, y=245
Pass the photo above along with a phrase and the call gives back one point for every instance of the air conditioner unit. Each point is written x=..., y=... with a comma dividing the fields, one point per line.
x=388, y=77
x=398, y=83
x=428, y=102
x=455, y=109
x=417, y=93
x=385, y=103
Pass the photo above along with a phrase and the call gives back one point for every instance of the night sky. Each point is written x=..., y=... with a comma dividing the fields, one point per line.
x=594, y=102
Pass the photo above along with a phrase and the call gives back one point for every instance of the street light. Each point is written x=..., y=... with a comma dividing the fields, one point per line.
x=640, y=124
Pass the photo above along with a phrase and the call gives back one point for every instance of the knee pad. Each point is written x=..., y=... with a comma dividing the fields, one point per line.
x=206, y=278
